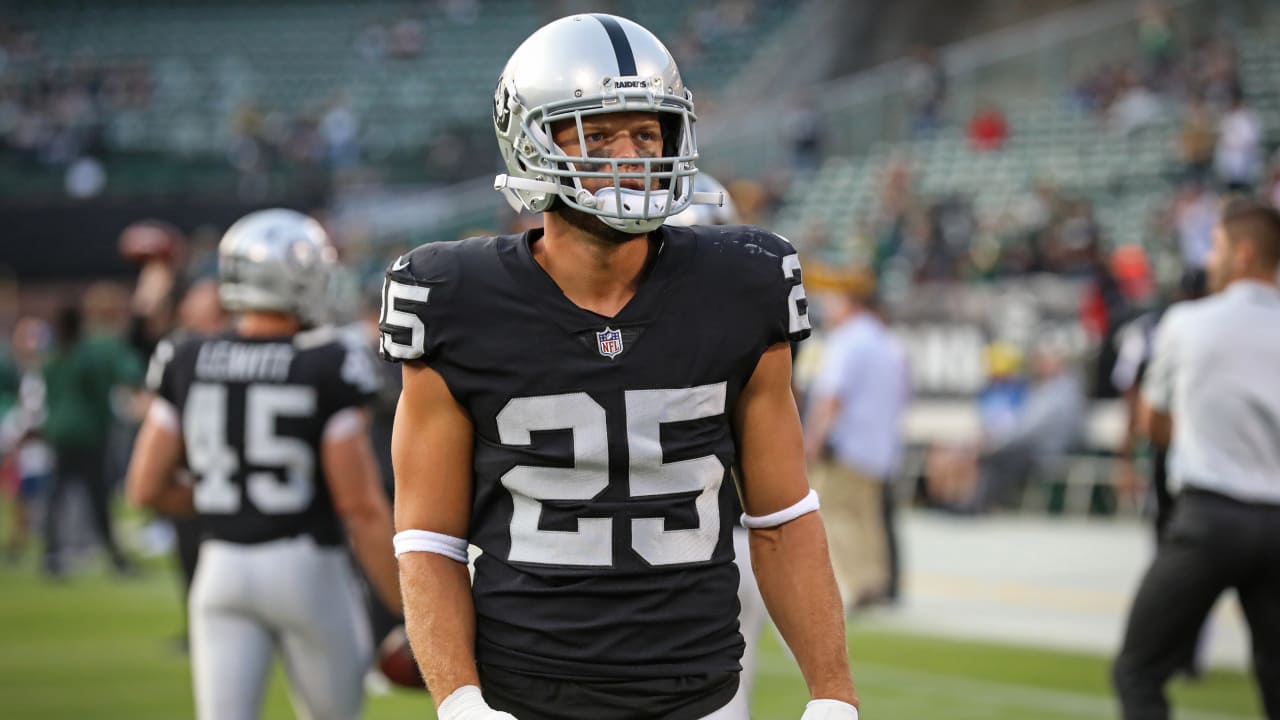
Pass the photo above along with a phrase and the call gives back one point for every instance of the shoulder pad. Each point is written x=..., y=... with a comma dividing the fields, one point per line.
x=418, y=286
x=767, y=265
x=315, y=337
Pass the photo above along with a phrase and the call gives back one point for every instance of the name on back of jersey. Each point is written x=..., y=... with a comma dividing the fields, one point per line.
x=229, y=361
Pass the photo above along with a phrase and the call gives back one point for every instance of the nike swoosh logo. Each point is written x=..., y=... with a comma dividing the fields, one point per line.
x=401, y=263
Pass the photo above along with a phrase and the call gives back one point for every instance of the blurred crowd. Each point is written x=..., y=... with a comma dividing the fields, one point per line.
x=60, y=115
x=74, y=114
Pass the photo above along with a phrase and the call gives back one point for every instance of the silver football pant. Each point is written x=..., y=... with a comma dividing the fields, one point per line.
x=247, y=601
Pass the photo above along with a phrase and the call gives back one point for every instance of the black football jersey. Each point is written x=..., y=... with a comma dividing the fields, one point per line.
x=603, y=496
x=252, y=414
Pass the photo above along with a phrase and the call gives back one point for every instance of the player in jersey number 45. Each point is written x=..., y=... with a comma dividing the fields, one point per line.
x=269, y=422
x=578, y=403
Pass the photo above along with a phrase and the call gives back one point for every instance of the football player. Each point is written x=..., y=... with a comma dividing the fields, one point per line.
x=752, y=612
x=269, y=419
x=577, y=401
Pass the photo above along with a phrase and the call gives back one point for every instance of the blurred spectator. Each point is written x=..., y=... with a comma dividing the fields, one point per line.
x=1135, y=106
x=1155, y=39
x=1104, y=300
x=1196, y=139
x=925, y=85
x=247, y=152
x=1094, y=92
x=1213, y=73
x=803, y=127
x=29, y=458
x=1238, y=156
x=1036, y=213
x=340, y=129
x=1195, y=214
x=1104, y=305
x=200, y=310
x=56, y=113
x=1132, y=271
x=1048, y=427
x=1001, y=401
x=80, y=377
x=891, y=223
x=854, y=438
x=989, y=129
x=1135, y=346
x=952, y=470
x=160, y=248
x=950, y=235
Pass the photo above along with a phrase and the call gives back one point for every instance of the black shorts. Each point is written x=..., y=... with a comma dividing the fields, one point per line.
x=533, y=697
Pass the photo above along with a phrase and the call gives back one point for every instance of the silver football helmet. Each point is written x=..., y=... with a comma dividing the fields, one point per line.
x=707, y=214
x=276, y=260
x=585, y=65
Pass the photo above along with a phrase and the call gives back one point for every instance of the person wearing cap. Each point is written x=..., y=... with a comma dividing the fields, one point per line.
x=853, y=438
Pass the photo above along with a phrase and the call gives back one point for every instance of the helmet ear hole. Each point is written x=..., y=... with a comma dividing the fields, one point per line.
x=670, y=134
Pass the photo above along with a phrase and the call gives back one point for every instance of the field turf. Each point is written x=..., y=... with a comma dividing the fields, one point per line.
x=99, y=647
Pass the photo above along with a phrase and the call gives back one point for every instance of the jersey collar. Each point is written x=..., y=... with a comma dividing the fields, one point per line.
x=674, y=254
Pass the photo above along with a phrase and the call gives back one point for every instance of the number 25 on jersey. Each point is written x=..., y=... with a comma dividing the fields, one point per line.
x=592, y=543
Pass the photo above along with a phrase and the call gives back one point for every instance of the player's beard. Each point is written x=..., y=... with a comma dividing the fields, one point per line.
x=595, y=227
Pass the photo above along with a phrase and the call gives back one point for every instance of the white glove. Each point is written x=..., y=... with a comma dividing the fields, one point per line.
x=466, y=703
x=829, y=710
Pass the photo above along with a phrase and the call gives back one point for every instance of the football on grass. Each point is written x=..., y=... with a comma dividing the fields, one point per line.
x=395, y=660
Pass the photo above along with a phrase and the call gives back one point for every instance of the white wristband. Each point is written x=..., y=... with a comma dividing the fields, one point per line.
x=466, y=703
x=806, y=505
x=343, y=424
x=829, y=710
x=407, y=541
x=162, y=413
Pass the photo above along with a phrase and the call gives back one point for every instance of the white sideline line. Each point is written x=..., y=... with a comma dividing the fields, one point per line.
x=987, y=693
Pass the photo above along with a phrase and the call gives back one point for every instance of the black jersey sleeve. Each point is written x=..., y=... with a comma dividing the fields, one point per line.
x=165, y=367
x=339, y=365
x=415, y=296
x=358, y=379
x=158, y=368
x=769, y=278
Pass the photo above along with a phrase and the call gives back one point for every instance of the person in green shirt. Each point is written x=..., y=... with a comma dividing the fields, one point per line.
x=80, y=376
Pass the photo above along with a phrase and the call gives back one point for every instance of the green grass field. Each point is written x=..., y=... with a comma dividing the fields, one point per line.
x=98, y=647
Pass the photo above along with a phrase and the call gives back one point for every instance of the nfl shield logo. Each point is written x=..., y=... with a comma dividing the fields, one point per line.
x=610, y=342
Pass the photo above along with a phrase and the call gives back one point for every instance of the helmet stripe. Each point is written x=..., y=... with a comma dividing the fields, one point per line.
x=621, y=46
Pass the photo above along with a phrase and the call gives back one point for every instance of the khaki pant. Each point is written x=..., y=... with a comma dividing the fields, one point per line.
x=852, y=513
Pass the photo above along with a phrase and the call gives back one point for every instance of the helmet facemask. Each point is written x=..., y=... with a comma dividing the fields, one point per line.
x=577, y=68
x=667, y=179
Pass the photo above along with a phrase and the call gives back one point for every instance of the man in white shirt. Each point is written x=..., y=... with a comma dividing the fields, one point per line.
x=854, y=443
x=1215, y=371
